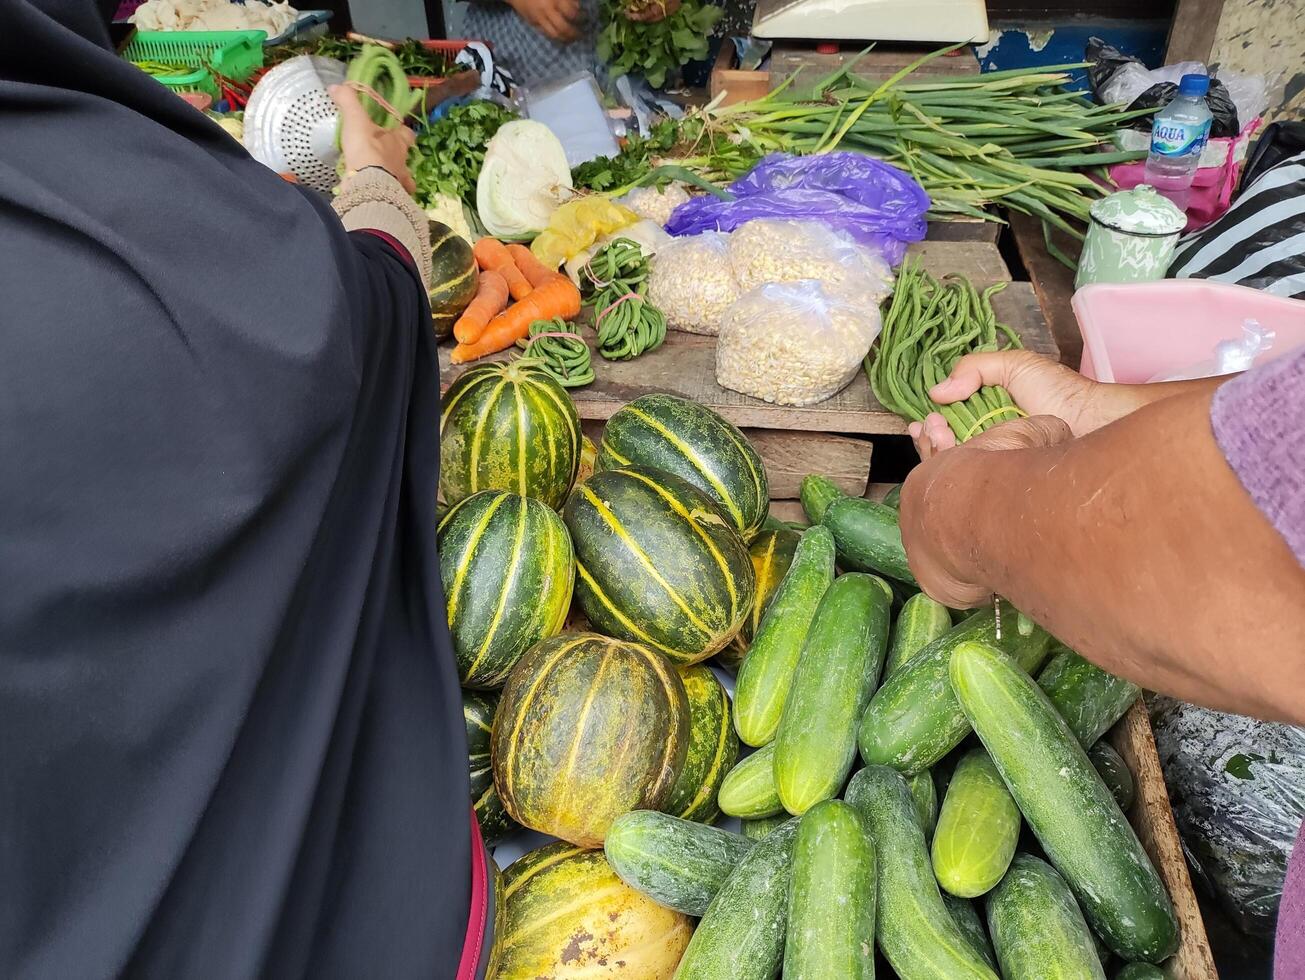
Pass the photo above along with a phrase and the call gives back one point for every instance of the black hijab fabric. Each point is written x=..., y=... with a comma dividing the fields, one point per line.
x=230, y=736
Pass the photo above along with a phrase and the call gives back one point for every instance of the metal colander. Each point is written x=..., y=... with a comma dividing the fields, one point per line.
x=290, y=120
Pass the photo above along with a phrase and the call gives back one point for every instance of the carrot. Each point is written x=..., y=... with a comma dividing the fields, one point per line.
x=558, y=297
x=490, y=299
x=535, y=271
x=492, y=255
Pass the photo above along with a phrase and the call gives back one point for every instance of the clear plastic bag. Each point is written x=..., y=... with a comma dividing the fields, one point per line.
x=693, y=283
x=871, y=201
x=794, y=343
x=1238, y=790
x=768, y=250
x=1230, y=356
x=655, y=203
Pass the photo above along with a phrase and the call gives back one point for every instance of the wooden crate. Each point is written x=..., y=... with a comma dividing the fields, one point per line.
x=732, y=84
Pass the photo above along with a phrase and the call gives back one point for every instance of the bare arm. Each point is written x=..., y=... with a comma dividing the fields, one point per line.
x=1136, y=545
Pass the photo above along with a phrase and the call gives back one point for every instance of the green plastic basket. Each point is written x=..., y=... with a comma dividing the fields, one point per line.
x=199, y=80
x=232, y=54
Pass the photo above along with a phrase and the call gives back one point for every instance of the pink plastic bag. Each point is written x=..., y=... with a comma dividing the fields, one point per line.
x=1212, y=187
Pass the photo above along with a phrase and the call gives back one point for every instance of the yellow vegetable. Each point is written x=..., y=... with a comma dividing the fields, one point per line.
x=576, y=225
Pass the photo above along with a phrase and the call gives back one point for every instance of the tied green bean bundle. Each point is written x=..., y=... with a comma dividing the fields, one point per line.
x=557, y=348
x=614, y=286
x=929, y=325
x=382, y=85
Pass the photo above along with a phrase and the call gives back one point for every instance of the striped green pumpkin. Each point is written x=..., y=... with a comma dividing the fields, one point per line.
x=508, y=571
x=656, y=563
x=491, y=817
x=588, y=728
x=772, y=552
x=696, y=444
x=508, y=426
x=567, y=915
x=478, y=714
x=713, y=747
x=453, y=277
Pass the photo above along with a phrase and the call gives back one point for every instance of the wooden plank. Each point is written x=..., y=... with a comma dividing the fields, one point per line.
x=1053, y=283
x=963, y=229
x=1153, y=818
x=1192, y=30
x=789, y=456
x=789, y=58
x=787, y=510
x=686, y=363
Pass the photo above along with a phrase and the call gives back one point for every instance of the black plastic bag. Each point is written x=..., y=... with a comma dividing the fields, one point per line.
x=1277, y=142
x=1106, y=60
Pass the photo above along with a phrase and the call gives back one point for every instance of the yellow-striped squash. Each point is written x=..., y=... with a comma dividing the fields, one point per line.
x=588, y=728
x=772, y=552
x=508, y=571
x=657, y=563
x=478, y=715
x=696, y=444
x=713, y=747
x=453, y=277
x=508, y=426
x=568, y=916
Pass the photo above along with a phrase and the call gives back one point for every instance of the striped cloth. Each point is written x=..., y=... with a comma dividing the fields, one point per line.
x=1259, y=242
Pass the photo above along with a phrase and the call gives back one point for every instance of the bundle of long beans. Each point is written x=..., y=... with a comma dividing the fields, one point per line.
x=1020, y=137
x=614, y=285
x=931, y=324
x=557, y=348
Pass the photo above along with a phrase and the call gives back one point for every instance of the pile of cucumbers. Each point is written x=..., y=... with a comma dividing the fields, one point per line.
x=866, y=704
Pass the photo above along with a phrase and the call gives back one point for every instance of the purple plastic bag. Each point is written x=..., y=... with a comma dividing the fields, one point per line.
x=871, y=201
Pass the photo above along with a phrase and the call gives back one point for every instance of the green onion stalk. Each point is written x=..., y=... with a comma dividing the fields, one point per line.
x=928, y=326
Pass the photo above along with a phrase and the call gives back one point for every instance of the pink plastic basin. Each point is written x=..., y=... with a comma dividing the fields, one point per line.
x=1134, y=331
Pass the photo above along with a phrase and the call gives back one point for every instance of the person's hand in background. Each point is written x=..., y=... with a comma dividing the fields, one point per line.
x=935, y=543
x=1037, y=384
x=651, y=11
x=365, y=144
x=555, y=19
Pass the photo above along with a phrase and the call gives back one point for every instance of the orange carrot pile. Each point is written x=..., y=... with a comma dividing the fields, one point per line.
x=491, y=255
x=490, y=300
x=484, y=329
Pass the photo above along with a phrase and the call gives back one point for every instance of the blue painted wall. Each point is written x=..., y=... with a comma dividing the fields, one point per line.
x=1034, y=44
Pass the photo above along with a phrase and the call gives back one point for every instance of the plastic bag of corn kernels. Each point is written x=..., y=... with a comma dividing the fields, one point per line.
x=795, y=343
x=770, y=250
x=693, y=283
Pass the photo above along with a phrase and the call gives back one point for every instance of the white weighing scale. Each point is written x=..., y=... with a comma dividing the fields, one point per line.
x=945, y=21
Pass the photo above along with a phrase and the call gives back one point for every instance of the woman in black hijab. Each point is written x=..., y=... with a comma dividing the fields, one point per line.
x=230, y=736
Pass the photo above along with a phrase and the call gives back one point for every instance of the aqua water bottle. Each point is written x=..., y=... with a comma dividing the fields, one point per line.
x=1178, y=135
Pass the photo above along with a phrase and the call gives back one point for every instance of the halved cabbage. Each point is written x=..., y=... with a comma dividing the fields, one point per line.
x=523, y=180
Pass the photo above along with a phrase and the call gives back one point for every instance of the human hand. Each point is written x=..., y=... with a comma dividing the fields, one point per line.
x=651, y=11
x=365, y=144
x=938, y=544
x=1037, y=384
x=556, y=19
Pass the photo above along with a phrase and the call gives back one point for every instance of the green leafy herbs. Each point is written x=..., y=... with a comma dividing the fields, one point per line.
x=416, y=59
x=450, y=151
x=654, y=49
x=637, y=159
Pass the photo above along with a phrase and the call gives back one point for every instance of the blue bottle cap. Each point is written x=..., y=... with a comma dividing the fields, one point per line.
x=1194, y=86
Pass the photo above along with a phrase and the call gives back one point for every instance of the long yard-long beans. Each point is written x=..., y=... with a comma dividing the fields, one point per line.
x=929, y=325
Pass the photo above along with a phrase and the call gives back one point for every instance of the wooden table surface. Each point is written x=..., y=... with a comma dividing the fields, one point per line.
x=686, y=363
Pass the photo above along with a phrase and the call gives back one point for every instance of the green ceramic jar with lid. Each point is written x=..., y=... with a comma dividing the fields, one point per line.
x=1130, y=238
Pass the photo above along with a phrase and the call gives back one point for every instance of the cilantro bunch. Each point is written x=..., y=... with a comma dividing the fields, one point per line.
x=654, y=49
x=449, y=152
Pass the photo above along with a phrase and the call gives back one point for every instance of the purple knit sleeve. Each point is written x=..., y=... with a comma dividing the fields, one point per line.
x=1259, y=423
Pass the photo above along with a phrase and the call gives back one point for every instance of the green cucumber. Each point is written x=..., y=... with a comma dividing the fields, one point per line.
x=831, y=897
x=1087, y=697
x=1114, y=773
x=754, y=830
x=741, y=935
x=893, y=498
x=767, y=670
x=1140, y=971
x=1038, y=928
x=677, y=863
x=925, y=796
x=1065, y=803
x=921, y=621
x=914, y=720
x=817, y=493
x=748, y=790
x=967, y=919
x=815, y=745
x=868, y=538
x=914, y=928
x=977, y=830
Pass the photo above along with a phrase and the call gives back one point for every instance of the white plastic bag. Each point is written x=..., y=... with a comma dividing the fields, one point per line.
x=693, y=283
x=1230, y=356
x=655, y=203
x=776, y=250
x=794, y=343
